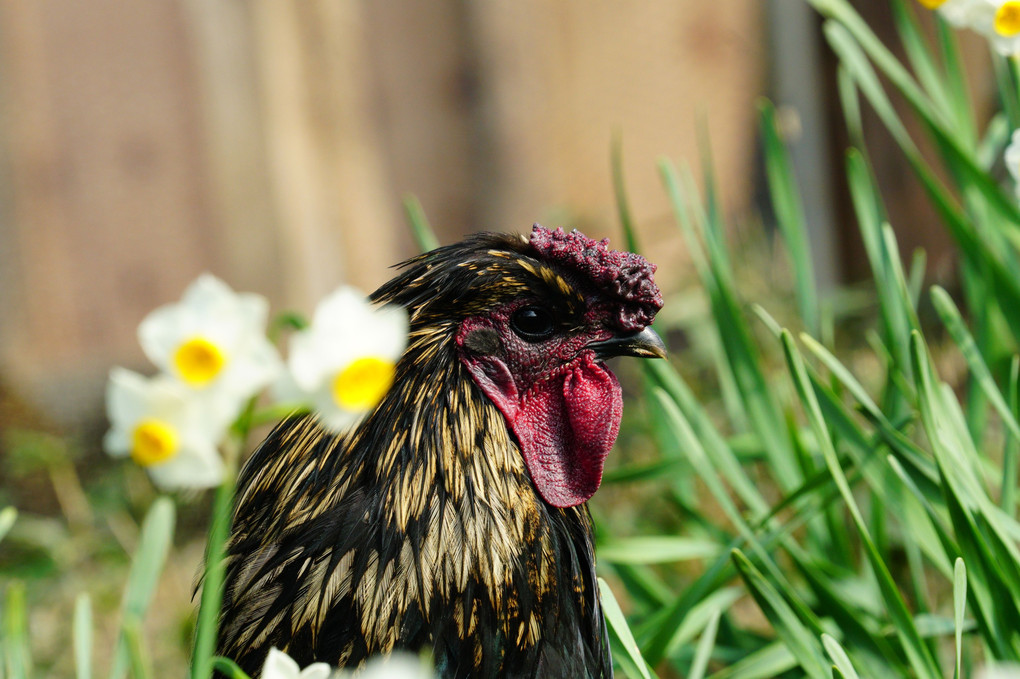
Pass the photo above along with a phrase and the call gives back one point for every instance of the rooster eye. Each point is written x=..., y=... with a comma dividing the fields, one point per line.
x=532, y=323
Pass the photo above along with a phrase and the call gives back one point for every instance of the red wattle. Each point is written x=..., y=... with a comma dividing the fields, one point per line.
x=566, y=427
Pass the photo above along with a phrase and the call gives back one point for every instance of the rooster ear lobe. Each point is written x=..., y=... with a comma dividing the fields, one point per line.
x=483, y=342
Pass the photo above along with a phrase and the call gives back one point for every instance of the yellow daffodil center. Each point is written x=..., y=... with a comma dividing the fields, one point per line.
x=199, y=361
x=1007, y=19
x=153, y=442
x=932, y=4
x=363, y=383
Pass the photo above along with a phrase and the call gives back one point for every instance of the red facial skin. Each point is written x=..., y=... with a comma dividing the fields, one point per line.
x=562, y=404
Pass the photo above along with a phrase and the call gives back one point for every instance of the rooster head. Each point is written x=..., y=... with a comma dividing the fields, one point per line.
x=533, y=321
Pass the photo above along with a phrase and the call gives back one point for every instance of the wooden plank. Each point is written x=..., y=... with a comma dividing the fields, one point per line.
x=108, y=211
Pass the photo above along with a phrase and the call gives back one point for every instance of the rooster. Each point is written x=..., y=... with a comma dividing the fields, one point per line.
x=453, y=519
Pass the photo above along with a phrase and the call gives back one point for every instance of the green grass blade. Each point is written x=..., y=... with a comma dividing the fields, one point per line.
x=959, y=608
x=656, y=549
x=623, y=210
x=212, y=584
x=1012, y=448
x=701, y=613
x=229, y=668
x=797, y=637
x=897, y=316
x=1009, y=93
x=788, y=206
x=706, y=644
x=959, y=96
x=850, y=103
x=146, y=566
x=768, y=662
x=996, y=137
x=954, y=323
x=986, y=546
x=839, y=657
x=919, y=55
x=842, y=12
x=644, y=585
x=8, y=515
x=16, y=654
x=705, y=432
x=741, y=353
x=138, y=655
x=916, y=650
x=619, y=628
x=83, y=637
x=422, y=231
x=851, y=47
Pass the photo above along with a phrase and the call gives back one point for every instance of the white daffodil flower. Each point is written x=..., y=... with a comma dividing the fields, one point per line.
x=279, y=665
x=960, y=13
x=345, y=361
x=213, y=340
x=166, y=429
x=997, y=20
x=1000, y=23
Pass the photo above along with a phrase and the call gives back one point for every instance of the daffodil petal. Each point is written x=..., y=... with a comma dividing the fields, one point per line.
x=279, y=665
x=159, y=333
x=255, y=368
x=307, y=362
x=197, y=465
x=117, y=443
x=334, y=417
x=125, y=396
x=319, y=670
x=392, y=332
x=396, y=666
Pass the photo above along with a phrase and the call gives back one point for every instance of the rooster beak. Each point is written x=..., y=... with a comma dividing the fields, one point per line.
x=644, y=344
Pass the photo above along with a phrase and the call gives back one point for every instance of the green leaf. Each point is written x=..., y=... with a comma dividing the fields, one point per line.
x=767, y=662
x=954, y=323
x=422, y=231
x=212, y=583
x=229, y=667
x=1011, y=451
x=700, y=614
x=986, y=536
x=16, y=653
x=619, y=628
x=703, y=653
x=83, y=636
x=788, y=206
x=656, y=549
x=8, y=515
x=917, y=652
x=146, y=567
x=839, y=657
x=620, y=192
x=797, y=637
x=705, y=432
x=959, y=608
x=141, y=666
x=742, y=355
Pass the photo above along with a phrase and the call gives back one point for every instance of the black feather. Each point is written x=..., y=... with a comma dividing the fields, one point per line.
x=421, y=530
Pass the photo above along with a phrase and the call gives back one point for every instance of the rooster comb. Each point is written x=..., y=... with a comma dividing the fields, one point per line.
x=624, y=276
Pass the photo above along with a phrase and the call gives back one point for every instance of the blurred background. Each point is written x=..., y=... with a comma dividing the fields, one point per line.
x=271, y=142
